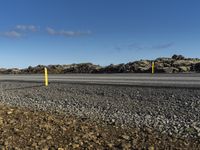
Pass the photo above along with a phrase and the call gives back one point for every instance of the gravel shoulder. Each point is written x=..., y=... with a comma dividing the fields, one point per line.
x=129, y=117
x=22, y=128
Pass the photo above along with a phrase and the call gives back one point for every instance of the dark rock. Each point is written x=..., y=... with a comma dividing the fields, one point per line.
x=114, y=69
x=82, y=68
x=163, y=59
x=184, y=69
x=35, y=70
x=3, y=70
x=178, y=57
x=185, y=63
x=13, y=71
x=197, y=67
x=142, y=66
x=166, y=70
x=56, y=69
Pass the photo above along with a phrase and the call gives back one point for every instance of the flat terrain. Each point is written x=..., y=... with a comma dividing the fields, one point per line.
x=22, y=128
x=164, y=80
x=171, y=114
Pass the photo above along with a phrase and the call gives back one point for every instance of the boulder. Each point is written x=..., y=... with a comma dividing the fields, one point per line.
x=55, y=69
x=38, y=69
x=197, y=67
x=12, y=71
x=166, y=70
x=142, y=66
x=179, y=63
x=143, y=63
x=114, y=69
x=184, y=69
x=163, y=59
x=3, y=70
x=146, y=69
x=130, y=67
x=82, y=68
x=178, y=57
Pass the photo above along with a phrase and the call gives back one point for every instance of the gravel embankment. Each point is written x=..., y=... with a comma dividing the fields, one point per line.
x=168, y=110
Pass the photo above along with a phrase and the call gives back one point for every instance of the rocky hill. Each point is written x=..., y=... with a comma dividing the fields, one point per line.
x=175, y=64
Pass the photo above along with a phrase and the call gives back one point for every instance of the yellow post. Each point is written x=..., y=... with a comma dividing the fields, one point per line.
x=153, y=67
x=46, y=76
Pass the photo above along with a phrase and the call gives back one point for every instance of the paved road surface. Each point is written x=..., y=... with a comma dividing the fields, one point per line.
x=166, y=80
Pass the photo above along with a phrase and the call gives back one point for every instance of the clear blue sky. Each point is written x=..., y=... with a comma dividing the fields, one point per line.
x=99, y=31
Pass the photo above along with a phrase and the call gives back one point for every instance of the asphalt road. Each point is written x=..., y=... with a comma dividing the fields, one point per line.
x=164, y=80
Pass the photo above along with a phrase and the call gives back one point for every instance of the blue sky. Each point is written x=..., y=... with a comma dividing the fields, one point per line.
x=99, y=31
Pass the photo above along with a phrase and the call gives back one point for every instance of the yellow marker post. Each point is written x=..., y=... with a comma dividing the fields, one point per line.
x=46, y=76
x=153, y=67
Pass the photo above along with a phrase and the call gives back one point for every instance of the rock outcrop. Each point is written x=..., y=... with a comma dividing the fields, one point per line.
x=175, y=64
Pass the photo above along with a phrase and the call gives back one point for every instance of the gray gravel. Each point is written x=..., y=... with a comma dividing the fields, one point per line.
x=168, y=110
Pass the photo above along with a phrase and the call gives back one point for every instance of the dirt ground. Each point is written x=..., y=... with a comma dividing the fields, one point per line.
x=22, y=128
